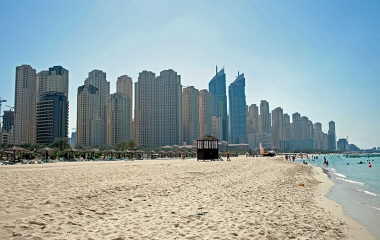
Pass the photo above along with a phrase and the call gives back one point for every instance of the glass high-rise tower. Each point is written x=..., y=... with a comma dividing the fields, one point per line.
x=238, y=110
x=217, y=88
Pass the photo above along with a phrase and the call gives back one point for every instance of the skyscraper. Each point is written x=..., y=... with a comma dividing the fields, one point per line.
x=158, y=109
x=318, y=136
x=124, y=86
x=25, y=105
x=170, y=108
x=265, y=125
x=253, y=126
x=278, y=128
x=205, y=113
x=52, y=117
x=88, y=116
x=342, y=144
x=8, y=120
x=146, y=109
x=265, y=117
x=118, y=119
x=238, y=110
x=331, y=137
x=98, y=79
x=56, y=79
x=217, y=88
x=287, y=132
x=190, y=114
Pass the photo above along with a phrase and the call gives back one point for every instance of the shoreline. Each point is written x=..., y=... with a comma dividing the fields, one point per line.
x=354, y=229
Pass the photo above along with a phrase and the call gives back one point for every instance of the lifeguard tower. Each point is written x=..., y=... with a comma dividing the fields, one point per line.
x=208, y=148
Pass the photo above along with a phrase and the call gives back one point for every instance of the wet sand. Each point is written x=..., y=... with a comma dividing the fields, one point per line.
x=247, y=198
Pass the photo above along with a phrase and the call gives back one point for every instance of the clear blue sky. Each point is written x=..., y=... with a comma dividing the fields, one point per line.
x=320, y=58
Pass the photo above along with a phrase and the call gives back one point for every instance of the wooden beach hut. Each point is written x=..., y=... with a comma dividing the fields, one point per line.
x=207, y=148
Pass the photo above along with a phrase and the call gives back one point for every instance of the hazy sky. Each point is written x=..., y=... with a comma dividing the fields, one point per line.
x=319, y=58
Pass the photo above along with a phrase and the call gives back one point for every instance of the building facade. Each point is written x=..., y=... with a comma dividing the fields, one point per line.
x=158, y=109
x=238, y=110
x=52, y=118
x=88, y=116
x=331, y=137
x=253, y=126
x=190, y=114
x=8, y=120
x=118, y=119
x=342, y=145
x=56, y=79
x=217, y=88
x=205, y=113
x=278, y=129
x=98, y=79
x=146, y=109
x=124, y=86
x=265, y=126
x=25, y=105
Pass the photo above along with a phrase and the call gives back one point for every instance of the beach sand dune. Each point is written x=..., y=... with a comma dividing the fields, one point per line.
x=247, y=198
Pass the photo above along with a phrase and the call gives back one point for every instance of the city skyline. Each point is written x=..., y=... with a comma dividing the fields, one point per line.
x=321, y=77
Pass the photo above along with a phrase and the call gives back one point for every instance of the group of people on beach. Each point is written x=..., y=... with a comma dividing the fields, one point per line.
x=290, y=158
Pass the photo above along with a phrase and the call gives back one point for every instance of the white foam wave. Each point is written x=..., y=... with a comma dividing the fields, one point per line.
x=339, y=175
x=350, y=181
x=332, y=170
x=370, y=193
x=366, y=192
x=376, y=208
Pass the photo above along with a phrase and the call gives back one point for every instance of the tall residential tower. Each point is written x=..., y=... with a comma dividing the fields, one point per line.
x=190, y=114
x=25, y=105
x=217, y=88
x=238, y=110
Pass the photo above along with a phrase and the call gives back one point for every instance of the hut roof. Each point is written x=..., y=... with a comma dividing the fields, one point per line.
x=208, y=138
x=17, y=149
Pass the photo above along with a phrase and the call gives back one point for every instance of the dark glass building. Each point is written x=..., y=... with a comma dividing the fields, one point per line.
x=331, y=137
x=52, y=117
x=8, y=120
x=238, y=110
x=217, y=88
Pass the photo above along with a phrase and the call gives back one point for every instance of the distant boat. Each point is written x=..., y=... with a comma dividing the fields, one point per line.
x=266, y=153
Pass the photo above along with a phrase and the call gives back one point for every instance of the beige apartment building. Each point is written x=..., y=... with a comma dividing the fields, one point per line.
x=124, y=86
x=88, y=108
x=205, y=113
x=92, y=100
x=118, y=119
x=25, y=105
x=98, y=79
x=190, y=114
x=56, y=79
x=158, y=109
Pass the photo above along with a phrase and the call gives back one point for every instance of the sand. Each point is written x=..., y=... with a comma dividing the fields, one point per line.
x=247, y=198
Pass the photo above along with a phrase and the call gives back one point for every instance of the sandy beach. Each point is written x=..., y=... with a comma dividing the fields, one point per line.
x=247, y=198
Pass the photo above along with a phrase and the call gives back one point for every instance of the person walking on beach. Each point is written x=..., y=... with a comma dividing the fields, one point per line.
x=228, y=156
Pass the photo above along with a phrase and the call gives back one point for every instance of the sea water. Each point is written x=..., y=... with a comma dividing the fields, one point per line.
x=356, y=188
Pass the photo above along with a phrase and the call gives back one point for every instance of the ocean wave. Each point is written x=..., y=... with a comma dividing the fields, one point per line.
x=370, y=193
x=376, y=208
x=350, y=181
x=367, y=192
x=339, y=175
